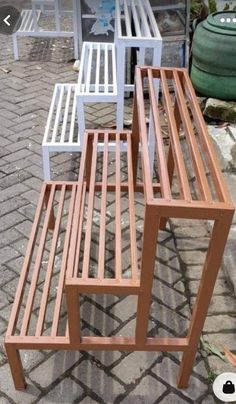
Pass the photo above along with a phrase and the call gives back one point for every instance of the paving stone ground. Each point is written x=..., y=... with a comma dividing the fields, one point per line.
x=95, y=377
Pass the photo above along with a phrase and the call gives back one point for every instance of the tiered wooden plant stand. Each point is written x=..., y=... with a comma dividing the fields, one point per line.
x=27, y=327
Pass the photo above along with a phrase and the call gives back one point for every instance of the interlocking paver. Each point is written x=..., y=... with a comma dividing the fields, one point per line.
x=134, y=365
x=52, y=369
x=65, y=392
x=167, y=370
x=146, y=392
x=7, y=388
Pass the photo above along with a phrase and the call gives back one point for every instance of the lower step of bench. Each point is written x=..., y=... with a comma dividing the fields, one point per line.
x=84, y=232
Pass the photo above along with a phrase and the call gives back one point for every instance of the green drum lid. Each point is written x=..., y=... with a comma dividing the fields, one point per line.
x=223, y=22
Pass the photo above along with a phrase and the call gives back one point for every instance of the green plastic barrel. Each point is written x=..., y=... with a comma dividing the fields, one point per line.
x=213, y=70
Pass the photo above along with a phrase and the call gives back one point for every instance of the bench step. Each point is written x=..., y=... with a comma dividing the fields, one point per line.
x=62, y=128
x=107, y=175
x=97, y=75
x=74, y=238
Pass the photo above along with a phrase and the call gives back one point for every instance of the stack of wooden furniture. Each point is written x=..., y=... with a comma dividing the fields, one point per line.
x=60, y=236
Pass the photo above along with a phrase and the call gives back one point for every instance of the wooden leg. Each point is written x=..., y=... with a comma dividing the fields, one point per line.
x=170, y=167
x=209, y=275
x=15, y=366
x=135, y=139
x=151, y=226
x=51, y=223
x=46, y=164
x=73, y=309
x=170, y=160
x=15, y=47
x=121, y=86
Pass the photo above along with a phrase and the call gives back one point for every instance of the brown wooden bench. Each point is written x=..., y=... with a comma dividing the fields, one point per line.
x=46, y=317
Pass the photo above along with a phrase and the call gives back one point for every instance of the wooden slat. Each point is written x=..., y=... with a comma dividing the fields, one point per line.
x=26, y=264
x=57, y=306
x=50, y=265
x=136, y=20
x=76, y=218
x=143, y=18
x=65, y=117
x=106, y=68
x=217, y=176
x=111, y=187
x=152, y=18
x=103, y=343
x=196, y=158
x=162, y=165
x=118, y=19
x=23, y=16
x=35, y=274
x=73, y=116
x=79, y=237
x=118, y=247
x=143, y=136
x=97, y=79
x=88, y=235
x=102, y=232
x=89, y=68
x=133, y=245
x=28, y=20
x=127, y=20
x=58, y=113
x=51, y=112
x=114, y=67
x=174, y=137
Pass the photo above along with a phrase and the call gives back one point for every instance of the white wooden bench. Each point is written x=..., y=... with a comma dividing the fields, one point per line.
x=135, y=27
x=97, y=77
x=30, y=26
x=66, y=119
x=62, y=131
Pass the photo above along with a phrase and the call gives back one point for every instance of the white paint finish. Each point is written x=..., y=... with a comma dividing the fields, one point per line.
x=145, y=35
x=95, y=55
x=30, y=23
x=136, y=11
x=60, y=131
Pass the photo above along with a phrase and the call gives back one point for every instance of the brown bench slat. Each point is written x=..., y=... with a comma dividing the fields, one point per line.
x=196, y=158
x=51, y=260
x=175, y=142
x=162, y=164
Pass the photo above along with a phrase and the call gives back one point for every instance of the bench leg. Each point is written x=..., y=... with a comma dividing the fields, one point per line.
x=170, y=161
x=57, y=16
x=120, y=86
x=135, y=138
x=15, y=366
x=81, y=118
x=142, y=53
x=15, y=47
x=46, y=164
x=77, y=25
x=151, y=227
x=170, y=167
x=206, y=287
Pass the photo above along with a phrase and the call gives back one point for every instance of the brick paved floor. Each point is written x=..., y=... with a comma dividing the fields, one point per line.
x=88, y=377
